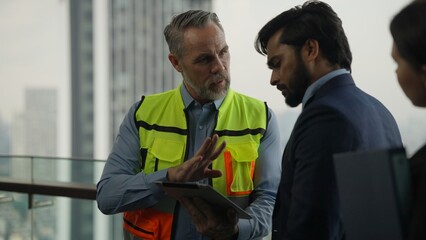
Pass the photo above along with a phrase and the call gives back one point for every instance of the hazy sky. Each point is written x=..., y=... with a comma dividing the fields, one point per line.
x=366, y=23
x=34, y=49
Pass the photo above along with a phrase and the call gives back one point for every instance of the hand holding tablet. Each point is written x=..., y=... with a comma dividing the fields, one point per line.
x=204, y=191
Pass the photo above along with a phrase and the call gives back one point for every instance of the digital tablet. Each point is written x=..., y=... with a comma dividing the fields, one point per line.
x=373, y=188
x=204, y=191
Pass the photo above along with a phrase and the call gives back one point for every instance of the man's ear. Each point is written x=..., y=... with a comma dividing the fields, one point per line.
x=311, y=49
x=175, y=62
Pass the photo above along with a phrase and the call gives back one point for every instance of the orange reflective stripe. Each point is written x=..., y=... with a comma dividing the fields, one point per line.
x=228, y=170
x=253, y=165
x=149, y=224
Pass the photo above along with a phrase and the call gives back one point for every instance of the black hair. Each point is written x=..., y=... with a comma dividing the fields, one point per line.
x=408, y=29
x=313, y=20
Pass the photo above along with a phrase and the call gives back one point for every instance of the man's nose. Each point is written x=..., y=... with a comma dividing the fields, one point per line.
x=274, y=79
x=218, y=65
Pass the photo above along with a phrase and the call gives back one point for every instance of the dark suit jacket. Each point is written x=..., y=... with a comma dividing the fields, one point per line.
x=417, y=223
x=338, y=118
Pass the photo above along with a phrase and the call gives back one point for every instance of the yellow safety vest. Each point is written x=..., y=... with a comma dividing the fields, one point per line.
x=163, y=132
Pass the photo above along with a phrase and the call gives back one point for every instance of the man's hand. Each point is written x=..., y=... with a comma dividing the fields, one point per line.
x=197, y=167
x=217, y=225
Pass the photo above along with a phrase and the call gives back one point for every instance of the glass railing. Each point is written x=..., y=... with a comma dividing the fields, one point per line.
x=45, y=198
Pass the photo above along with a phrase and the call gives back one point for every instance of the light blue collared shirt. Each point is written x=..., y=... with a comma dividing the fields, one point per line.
x=201, y=119
x=313, y=88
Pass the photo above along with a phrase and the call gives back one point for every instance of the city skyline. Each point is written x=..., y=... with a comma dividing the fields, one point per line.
x=35, y=52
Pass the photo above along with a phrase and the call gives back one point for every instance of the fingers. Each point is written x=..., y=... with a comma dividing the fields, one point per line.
x=212, y=144
x=200, y=212
x=209, y=150
x=185, y=171
x=204, y=207
x=196, y=168
x=212, y=173
x=205, y=146
x=218, y=151
x=209, y=221
x=197, y=215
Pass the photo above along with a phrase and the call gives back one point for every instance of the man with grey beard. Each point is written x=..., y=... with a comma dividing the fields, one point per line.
x=201, y=131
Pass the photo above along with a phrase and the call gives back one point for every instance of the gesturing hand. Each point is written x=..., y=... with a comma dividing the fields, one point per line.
x=196, y=168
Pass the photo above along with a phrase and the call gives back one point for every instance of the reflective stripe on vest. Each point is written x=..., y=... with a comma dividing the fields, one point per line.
x=162, y=123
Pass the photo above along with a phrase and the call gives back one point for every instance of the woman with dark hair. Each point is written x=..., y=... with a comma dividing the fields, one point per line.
x=408, y=29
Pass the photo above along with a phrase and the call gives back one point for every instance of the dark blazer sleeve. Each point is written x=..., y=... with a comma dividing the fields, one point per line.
x=417, y=224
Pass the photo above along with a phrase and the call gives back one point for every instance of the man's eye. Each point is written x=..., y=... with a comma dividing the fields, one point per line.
x=275, y=65
x=203, y=60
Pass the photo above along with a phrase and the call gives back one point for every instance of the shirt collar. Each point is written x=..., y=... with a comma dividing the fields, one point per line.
x=188, y=99
x=313, y=88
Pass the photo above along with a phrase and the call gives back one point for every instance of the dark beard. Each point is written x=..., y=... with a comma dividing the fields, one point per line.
x=299, y=84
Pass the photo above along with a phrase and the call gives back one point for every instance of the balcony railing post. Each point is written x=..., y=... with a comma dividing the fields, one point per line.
x=30, y=200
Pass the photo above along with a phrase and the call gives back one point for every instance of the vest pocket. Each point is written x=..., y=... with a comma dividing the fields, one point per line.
x=240, y=159
x=143, y=228
x=148, y=224
x=164, y=153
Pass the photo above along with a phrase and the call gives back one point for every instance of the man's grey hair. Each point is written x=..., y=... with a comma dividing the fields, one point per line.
x=173, y=32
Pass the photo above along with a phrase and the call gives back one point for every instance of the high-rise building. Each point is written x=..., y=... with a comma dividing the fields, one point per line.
x=82, y=111
x=36, y=122
x=139, y=63
x=4, y=147
x=4, y=137
x=34, y=134
x=40, y=113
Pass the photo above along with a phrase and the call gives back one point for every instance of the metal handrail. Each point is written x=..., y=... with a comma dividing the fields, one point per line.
x=44, y=187
x=72, y=190
x=52, y=158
